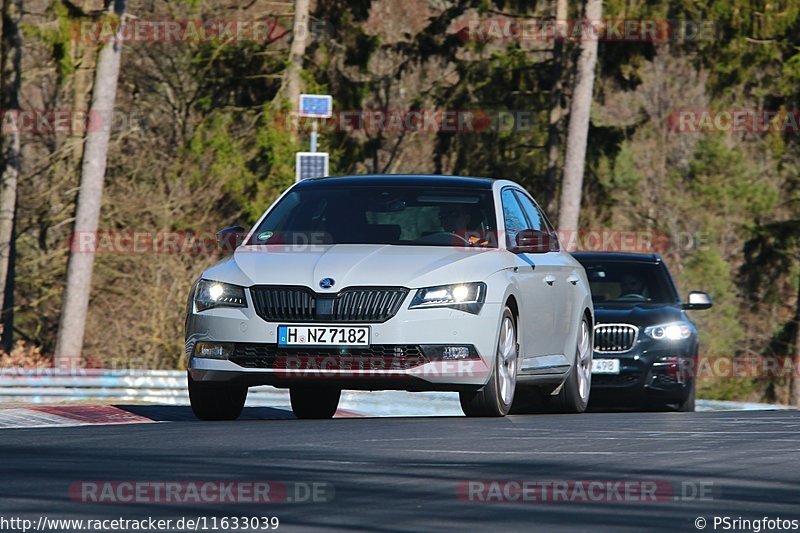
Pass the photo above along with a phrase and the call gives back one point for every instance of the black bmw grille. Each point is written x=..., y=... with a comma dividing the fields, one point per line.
x=614, y=337
x=375, y=357
x=301, y=304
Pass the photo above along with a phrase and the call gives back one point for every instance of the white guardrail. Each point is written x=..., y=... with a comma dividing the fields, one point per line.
x=168, y=387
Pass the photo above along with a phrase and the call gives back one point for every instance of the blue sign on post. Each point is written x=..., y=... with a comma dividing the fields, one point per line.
x=316, y=105
x=313, y=164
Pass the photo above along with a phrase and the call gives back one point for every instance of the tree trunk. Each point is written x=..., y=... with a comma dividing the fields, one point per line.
x=578, y=132
x=84, y=55
x=81, y=262
x=10, y=83
x=794, y=388
x=556, y=110
x=290, y=89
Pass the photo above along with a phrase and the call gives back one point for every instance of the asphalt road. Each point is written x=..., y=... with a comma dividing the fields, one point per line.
x=400, y=474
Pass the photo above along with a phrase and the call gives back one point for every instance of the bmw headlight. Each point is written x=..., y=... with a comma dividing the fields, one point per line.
x=467, y=297
x=674, y=331
x=210, y=294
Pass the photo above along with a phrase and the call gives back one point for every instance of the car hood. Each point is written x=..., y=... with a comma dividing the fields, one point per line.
x=638, y=315
x=359, y=264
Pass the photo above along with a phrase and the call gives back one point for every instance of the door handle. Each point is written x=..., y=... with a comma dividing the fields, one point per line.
x=573, y=279
x=550, y=280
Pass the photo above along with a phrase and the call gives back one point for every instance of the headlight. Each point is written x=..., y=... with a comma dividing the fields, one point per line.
x=672, y=332
x=210, y=294
x=464, y=296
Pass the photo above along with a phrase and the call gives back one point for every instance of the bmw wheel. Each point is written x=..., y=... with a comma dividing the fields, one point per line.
x=496, y=397
x=688, y=405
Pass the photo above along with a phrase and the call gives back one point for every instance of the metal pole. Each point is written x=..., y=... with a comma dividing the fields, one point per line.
x=313, y=136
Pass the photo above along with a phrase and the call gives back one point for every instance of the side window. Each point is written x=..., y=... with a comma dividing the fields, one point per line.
x=536, y=217
x=513, y=215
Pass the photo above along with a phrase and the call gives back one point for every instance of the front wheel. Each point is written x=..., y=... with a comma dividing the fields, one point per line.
x=574, y=394
x=216, y=401
x=314, y=402
x=687, y=406
x=496, y=397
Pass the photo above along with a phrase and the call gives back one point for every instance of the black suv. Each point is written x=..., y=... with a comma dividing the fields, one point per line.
x=645, y=347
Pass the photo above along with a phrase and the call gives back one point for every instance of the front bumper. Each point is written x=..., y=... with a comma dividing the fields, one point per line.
x=393, y=364
x=650, y=373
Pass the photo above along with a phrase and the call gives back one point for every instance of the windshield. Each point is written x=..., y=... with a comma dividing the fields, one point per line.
x=381, y=215
x=629, y=283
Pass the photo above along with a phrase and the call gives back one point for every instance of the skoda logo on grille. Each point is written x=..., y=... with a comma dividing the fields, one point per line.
x=327, y=283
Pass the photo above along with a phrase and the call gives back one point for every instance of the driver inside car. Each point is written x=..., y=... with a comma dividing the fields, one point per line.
x=455, y=219
x=632, y=287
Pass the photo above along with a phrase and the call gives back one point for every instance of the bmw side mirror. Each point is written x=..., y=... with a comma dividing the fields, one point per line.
x=229, y=239
x=698, y=300
x=531, y=241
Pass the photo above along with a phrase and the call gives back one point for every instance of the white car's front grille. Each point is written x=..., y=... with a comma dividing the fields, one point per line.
x=301, y=304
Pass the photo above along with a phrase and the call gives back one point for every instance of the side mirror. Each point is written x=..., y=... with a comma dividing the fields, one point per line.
x=698, y=300
x=531, y=241
x=229, y=239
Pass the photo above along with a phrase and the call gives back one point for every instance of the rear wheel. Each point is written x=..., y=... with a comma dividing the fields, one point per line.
x=216, y=401
x=314, y=402
x=496, y=397
x=574, y=394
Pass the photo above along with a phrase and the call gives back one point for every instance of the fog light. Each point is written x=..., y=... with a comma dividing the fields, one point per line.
x=213, y=350
x=455, y=352
x=438, y=352
x=674, y=367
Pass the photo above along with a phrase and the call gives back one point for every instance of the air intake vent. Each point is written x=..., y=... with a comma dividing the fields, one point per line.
x=375, y=357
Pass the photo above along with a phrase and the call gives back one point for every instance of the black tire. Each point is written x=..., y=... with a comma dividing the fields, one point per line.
x=314, y=402
x=687, y=406
x=216, y=401
x=569, y=399
x=488, y=401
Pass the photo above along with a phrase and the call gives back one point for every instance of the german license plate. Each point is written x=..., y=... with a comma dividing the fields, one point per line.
x=323, y=336
x=605, y=366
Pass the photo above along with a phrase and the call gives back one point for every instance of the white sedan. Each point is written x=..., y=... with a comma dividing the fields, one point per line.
x=381, y=282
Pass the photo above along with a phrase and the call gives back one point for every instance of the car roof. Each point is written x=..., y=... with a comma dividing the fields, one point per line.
x=417, y=180
x=617, y=256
